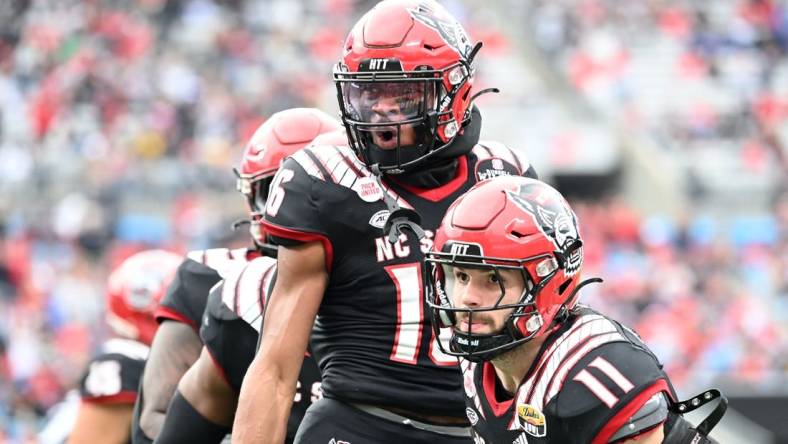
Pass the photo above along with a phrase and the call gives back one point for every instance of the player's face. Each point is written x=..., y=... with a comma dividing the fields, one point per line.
x=392, y=102
x=479, y=288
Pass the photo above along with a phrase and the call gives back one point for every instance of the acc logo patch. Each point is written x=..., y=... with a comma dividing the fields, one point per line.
x=532, y=420
x=378, y=220
x=472, y=416
x=494, y=167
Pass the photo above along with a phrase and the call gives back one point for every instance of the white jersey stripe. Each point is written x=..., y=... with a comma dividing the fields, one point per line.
x=340, y=171
x=230, y=287
x=197, y=256
x=481, y=152
x=127, y=347
x=250, y=286
x=331, y=163
x=500, y=151
x=216, y=256
x=596, y=387
x=558, y=349
x=608, y=369
x=348, y=179
x=523, y=161
x=542, y=398
x=568, y=350
x=219, y=259
x=306, y=162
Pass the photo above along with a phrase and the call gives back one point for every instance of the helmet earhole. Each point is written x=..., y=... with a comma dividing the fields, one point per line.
x=564, y=286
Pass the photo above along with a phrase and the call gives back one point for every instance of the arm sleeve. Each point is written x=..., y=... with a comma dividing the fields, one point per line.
x=187, y=294
x=184, y=424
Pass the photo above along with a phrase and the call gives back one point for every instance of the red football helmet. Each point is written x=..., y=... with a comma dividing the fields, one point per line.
x=334, y=138
x=135, y=289
x=404, y=83
x=281, y=135
x=507, y=223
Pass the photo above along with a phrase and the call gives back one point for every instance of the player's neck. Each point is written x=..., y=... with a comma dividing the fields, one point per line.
x=511, y=367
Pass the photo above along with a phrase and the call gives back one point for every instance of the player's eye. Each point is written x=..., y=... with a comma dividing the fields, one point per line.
x=461, y=276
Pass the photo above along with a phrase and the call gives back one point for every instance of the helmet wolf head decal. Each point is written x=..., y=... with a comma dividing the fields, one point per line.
x=553, y=216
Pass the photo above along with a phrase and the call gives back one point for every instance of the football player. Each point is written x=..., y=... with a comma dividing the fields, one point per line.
x=353, y=224
x=230, y=332
x=109, y=387
x=177, y=344
x=539, y=368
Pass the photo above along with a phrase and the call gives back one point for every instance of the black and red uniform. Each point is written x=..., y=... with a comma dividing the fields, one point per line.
x=113, y=376
x=590, y=377
x=372, y=337
x=231, y=328
x=186, y=298
x=188, y=293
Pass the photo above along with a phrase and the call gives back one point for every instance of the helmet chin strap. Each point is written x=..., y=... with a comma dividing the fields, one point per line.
x=497, y=343
x=563, y=312
x=266, y=249
x=240, y=223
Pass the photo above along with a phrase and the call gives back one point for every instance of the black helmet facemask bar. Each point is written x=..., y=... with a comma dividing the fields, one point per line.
x=255, y=189
x=425, y=122
x=473, y=346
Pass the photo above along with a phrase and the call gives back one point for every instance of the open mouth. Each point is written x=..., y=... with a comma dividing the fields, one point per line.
x=385, y=137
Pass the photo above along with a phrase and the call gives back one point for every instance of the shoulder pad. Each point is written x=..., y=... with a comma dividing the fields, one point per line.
x=586, y=334
x=215, y=308
x=336, y=164
x=605, y=377
x=246, y=289
x=126, y=347
x=653, y=412
x=339, y=165
x=185, y=298
x=487, y=151
x=219, y=259
x=605, y=389
x=114, y=375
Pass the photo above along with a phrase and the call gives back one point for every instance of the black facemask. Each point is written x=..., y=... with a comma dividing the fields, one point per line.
x=443, y=168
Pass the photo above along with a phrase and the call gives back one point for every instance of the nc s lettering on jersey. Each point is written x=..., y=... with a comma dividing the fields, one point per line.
x=386, y=251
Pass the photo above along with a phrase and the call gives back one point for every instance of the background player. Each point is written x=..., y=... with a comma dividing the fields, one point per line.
x=405, y=91
x=177, y=344
x=538, y=368
x=230, y=331
x=109, y=387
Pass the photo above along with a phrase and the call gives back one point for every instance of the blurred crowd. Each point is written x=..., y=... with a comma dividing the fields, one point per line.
x=710, y=298
x=120, y=122
x=709, y=82
x=695, y=75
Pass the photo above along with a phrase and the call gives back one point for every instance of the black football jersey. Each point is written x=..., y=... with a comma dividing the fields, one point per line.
x=589, y=378
x=187, y=294
x=114, y=375
x=231, y=326
x=372, y=338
